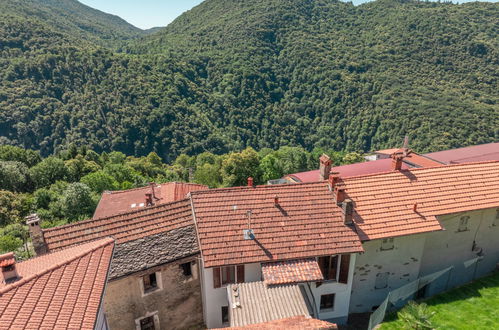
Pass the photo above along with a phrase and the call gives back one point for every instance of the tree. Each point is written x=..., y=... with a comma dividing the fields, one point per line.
x=77, y=202
x=238, y=166
x=270, y=168
x=292, y=159
x=16, y=154
x=100, y=181
x=208, y=175
x=352, y=158
x=9, y=243
x=14, y=176
x=49, y=171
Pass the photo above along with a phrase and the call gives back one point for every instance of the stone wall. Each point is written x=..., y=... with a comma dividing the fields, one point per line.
x=177, y=303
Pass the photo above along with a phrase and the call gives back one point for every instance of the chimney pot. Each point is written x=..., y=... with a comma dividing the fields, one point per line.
x=250, y=182
x=276, y=200
x=415, y=207
x=347, y=211
x=324, y=167
x=334, y=178
x=36, y=234
x=339, y=194
x=8, y=267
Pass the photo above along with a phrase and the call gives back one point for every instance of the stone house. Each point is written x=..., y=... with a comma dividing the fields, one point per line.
x=153, y=280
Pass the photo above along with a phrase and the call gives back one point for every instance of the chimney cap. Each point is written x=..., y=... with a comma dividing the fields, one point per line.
x=32, y=218
x=325, y=159
x=7, y=259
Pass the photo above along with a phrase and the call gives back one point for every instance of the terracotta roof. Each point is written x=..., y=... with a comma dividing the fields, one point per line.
x=255, y=302
x=7, y=259
x=417, y=160
x=294, y=323
x=291, y=271
x=407, y=202
x=387, y=152
x=305, y=223
x=124, y=227
x=125, y=201
x=364, y=168
x=483, y=152
x=61, y=290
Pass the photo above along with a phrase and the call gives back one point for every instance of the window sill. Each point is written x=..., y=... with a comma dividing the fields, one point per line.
x=150, y=291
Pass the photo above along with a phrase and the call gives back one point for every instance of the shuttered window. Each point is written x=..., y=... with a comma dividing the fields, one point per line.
x=228, y=275
x=344, y=268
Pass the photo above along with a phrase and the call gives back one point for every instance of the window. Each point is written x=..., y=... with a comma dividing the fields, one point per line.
x=329, y=267
x=150, y=282
x=147, y=323
x=381, y=280
x=225, y=314
x=387, y=244
x=186, y=269
x=227, y=275
x=327, y=302
x=463, y=224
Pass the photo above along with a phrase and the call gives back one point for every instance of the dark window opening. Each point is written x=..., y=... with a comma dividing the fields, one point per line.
x=225, y=314
x=463, y=223
x=147, y=323
x=387, y=244
x=228, y=275
x=150, y=282
x=329, y=267
x=186, y=269
x=327, y=301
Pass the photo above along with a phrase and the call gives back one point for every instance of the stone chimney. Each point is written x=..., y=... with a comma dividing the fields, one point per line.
x=324, y=167
x=36, y=234
x=8, y=267
x=347, y=211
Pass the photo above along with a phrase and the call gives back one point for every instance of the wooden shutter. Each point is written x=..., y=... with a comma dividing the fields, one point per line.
x=344, y=268
x=216, y=277
x=240, y=274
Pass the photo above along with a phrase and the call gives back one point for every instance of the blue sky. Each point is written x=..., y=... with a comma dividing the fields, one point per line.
x=150, y=13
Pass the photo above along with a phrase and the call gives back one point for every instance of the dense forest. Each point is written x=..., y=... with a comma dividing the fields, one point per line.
x=231, y=74
x=67, y=187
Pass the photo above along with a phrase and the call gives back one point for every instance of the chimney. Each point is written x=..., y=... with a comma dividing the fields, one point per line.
x=397, y=158
x=347, y=211
x=36, y=234
x=324, y=167
x=8, y=266
x=149, y=201
x=276, y=200
x=334, y=178
x=250, y=182
x=153, y=193
x=339, y=195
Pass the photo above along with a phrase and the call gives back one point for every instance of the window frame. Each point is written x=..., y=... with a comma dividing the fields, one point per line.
x=225, y=315
x=183, y=268
x=155, y=318
x=218, y=275
x=158, y=287
x=327, y=309
x=463, y=224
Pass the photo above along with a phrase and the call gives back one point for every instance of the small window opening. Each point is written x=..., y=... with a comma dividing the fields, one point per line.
x=147, y=323
x=186, y=269
x=228, y=275
x=329, y=267
x=150, y=282
x=327, y=302
x=387, y=244
x=225, y=314
x=463, y=223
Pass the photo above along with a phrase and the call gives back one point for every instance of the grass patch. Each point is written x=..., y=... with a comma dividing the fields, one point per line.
x=472, y=306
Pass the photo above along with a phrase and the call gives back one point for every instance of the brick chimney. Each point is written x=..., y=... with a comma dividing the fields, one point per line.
x=250, y=182
x=8, y=267
x=397, y=158
x=149, y=201
x=324, y=167
x=339, y=195
x=36, y=234
x=347, y=211
x=334, y=178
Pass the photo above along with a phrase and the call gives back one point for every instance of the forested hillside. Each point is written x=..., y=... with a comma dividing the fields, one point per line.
x=265, y=73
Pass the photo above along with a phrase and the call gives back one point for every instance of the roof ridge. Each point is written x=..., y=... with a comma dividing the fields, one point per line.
x=263, y=186
x=105, y=241
x=420, y=169
x=157, y=184
x=79, y=223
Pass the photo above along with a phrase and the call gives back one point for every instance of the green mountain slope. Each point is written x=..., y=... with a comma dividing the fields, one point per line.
x=264, y=73
x=73, y=18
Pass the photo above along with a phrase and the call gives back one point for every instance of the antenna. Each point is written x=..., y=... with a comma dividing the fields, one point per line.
x=248, y=233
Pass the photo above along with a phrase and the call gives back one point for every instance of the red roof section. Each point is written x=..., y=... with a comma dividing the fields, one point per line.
x=305, y=223
x=291, y=271
x=483, y=152
x=125, y=201
x=123, y=227
x=375, y=166
x=62, y=290
x=294, y=323
x=7, y=259
x=407, y=202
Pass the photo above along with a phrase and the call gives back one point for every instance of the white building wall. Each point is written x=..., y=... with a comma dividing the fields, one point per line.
x=453, y=247
x=401, y=264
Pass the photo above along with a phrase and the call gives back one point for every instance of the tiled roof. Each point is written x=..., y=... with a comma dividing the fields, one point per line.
x=364, y=168
x=416, y=160
x=62, y=290
x=407, y=202
x=482, y=152
x=124, y=227
x=291, y=271
x=7, y=259
x=305, y=223
x=125, y=201
x=294, y=323
x=255, y=302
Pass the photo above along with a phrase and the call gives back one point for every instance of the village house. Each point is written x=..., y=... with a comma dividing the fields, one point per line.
x=60, y=290
x=153, y=281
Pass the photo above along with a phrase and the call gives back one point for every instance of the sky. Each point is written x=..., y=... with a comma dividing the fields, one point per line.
x=146, y=14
